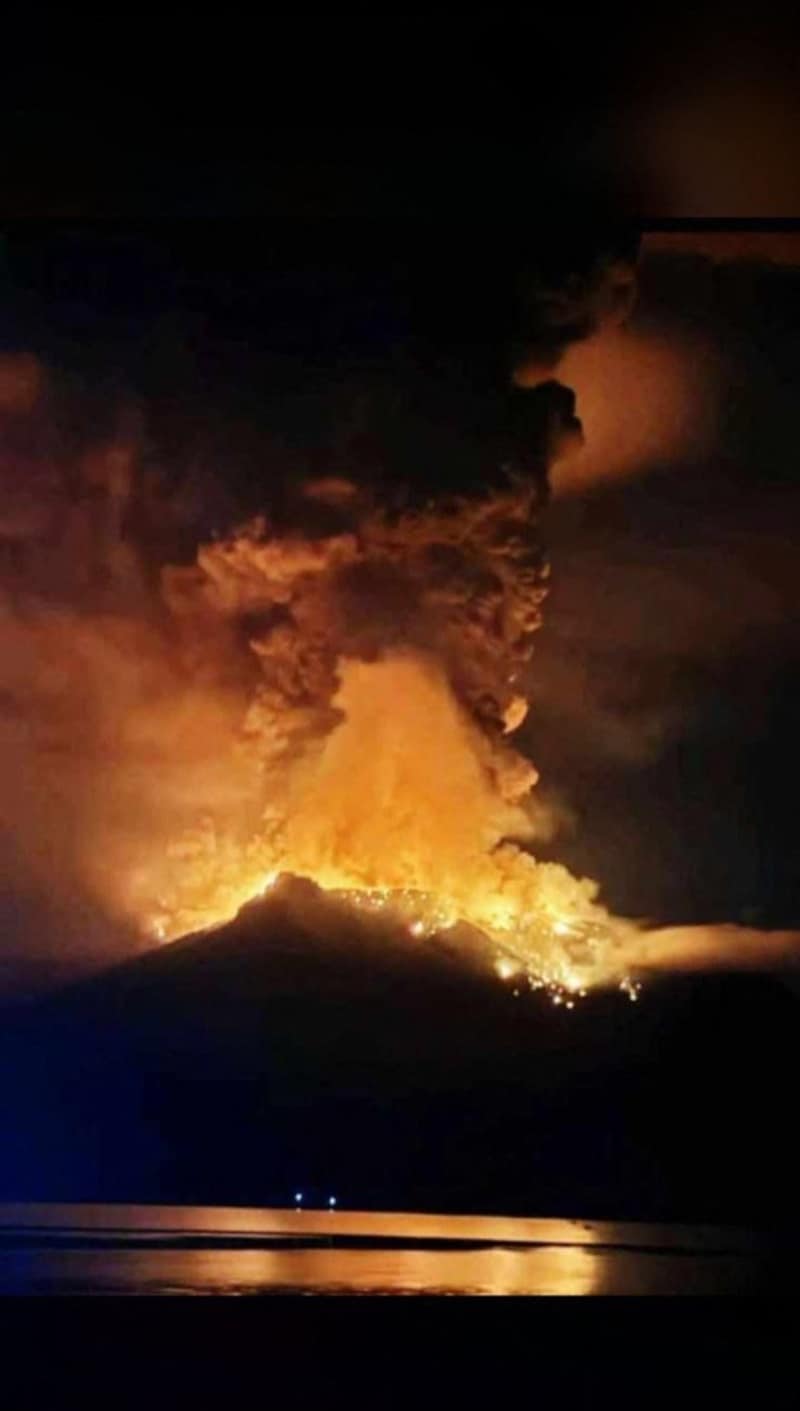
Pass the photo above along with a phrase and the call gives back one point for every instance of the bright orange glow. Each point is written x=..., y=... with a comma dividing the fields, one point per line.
x=363, y=764
x=397, y=809
x=339, y=707
x=643, y=401
x=369, y=753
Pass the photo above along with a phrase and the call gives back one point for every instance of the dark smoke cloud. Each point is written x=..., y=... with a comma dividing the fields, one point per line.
x=661, y=684
x=664, y=586
x=570, y=297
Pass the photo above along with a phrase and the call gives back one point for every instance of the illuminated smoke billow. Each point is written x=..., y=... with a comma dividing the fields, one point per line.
x=723, y=946
x=385, y=663
x=334, y=704
x=329, y=691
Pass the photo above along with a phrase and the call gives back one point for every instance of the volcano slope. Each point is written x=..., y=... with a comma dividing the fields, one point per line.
x=306, y=1046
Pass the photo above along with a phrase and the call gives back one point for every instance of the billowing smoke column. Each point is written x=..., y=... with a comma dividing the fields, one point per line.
x=385, y=661
x=327, y=691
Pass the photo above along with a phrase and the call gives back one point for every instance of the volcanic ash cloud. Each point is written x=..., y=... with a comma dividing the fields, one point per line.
x=383, y=664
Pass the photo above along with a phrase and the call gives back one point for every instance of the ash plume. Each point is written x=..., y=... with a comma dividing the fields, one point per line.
x=156, y=716
x=196, y=700
x=569, y=296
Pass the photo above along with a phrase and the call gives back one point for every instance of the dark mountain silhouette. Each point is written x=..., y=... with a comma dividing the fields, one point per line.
x=305, y=1047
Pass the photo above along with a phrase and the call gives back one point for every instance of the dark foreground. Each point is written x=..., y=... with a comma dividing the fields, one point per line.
x=128, y=1249
x=302, y=1048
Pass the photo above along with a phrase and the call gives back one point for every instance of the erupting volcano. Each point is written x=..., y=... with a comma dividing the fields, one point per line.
x=329, y=691
x=384, y=666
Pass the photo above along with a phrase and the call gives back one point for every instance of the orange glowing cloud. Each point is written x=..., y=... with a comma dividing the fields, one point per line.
x=644, y=400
